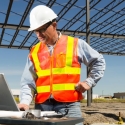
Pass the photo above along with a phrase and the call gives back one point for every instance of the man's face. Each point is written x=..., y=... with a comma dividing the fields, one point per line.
x=46, y=32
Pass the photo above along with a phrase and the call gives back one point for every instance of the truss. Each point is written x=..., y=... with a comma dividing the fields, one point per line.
x=106, y=23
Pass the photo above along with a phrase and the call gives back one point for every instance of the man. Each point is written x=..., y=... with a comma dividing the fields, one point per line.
x=52, y=71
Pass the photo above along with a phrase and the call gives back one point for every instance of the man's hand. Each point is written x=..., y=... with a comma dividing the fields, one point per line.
x=82, y=86
x=23, y=107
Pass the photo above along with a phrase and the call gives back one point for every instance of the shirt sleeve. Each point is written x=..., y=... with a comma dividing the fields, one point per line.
x=28, y=86
x=93, y=60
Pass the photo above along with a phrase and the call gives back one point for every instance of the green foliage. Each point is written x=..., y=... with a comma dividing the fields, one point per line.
x=105, y=101
x=94, y=100
x=16, y=99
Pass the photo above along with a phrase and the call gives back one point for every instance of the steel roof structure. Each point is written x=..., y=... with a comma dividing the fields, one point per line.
x=105, y=27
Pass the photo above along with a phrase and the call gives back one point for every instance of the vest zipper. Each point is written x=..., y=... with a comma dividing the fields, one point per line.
x=51, y=78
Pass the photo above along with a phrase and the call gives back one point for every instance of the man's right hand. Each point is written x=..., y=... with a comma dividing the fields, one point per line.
x=23, y=107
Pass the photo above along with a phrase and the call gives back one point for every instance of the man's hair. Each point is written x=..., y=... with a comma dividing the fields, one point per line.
x=54, y=20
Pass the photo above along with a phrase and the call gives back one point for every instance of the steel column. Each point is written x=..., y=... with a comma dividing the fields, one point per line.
x=88, y=41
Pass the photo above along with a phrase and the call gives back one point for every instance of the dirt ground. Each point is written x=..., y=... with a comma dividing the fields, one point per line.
x=103, y=113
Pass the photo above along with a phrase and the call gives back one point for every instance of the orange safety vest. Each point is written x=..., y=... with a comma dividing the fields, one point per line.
x=57, y=73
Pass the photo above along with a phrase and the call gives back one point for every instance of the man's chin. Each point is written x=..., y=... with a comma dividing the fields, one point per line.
x=43, y=40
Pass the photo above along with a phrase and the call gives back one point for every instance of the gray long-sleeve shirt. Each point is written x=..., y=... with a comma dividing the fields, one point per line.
x=86, y=55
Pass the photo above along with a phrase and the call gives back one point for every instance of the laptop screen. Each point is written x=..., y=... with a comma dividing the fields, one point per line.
x=7, y=101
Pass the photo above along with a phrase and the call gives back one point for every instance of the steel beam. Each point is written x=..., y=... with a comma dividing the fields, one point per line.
x=68, y=32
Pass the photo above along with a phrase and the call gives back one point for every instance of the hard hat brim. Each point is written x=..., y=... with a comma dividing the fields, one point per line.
x=31, y=29
x=34, y=28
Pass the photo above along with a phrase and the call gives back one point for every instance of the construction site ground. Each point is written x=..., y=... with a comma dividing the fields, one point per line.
x=104, y=113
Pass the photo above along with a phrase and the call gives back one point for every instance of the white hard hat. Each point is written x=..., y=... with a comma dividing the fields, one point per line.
x=40, y=15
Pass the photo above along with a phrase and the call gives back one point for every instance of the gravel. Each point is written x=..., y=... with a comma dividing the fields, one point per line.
x=103, y=113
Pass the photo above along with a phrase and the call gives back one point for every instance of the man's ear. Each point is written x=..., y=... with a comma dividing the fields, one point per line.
x=54, y=24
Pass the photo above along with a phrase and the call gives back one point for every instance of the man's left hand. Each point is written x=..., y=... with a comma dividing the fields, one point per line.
x=82, y=86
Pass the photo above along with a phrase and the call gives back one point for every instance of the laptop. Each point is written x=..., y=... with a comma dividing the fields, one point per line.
x=7, y=101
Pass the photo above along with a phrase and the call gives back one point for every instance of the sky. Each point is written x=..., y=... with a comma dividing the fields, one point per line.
x=12, y=63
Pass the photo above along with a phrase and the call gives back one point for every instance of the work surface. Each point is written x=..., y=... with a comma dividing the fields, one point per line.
x=42, y=121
